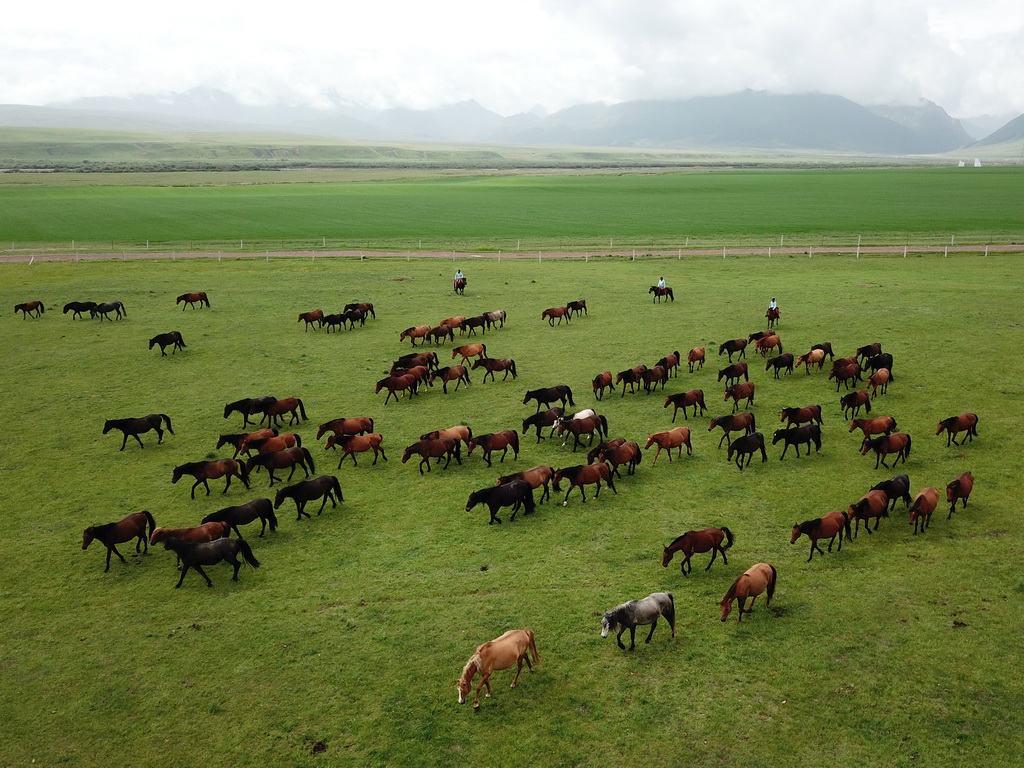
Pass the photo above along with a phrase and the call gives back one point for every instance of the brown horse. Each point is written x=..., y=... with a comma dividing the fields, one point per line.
x=579, y=307
x=539, y=476
x=548, y=418
x=413, y=359
x=495, y=441
x=845, y=374
x=922, y=506
x=670, y=363
x=733, y=422
x=695, y=357
x=814, y=357
x=443, y=447
x=684, y=400
x=601, y=382
x=362, y=306
x=238, y=440
x=673, y=438
x=751, y=337
x=29, y=307
x=555, y=312
x=628, y=453
x=652, y=376
x=879, y=379
x=733, y=373
x=589, y=425
x=734, y=345
x=742, y=391
x=513, y=647
x=469, y=350
x=414, y=332
x=630, y=376
x=872, y=504
x=405, y=383
x=454, y=322
x=955, y=424
x=583, y=474
x=110, y=535
x=289, y=458
x=794, y=416
x=959, y=488
x=191, y=299
x=492, y=364
x=421, y=372
x=603, y=446
x=696, y=542
x=880, y=425
x=869, y=350
x=755, y=580
x=768, y=343
x=203, y=471
x=439, y=333
x=264, y=443
x=472, y=323
x=898, y=443
x=278, y=408
x=825, y=527
x=353, y=444
x=356, y=425
x=853, y=402
x=192, y=534
x=773, y=317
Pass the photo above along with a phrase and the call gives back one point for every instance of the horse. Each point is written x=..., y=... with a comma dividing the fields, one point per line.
x=335, y=321
x=243, y=514
x=492, y=364
x=695, y=542
x=783, y=362
x=352, y=316
x=922, y=506
x=273, y=442
x=242, y=438
x=742, y=391
x=132, y=526
x=684, y=400
x=797, y=436
x=630, y=376
x=362, y=306
x=583, y=474
x=540, y=420
x=278, y=408
x=551, y=313
x=853, y=401
x=803, y=415
x=652, y=376
x=434, y=449
x=845, y=374
x=768, y=343
x=513, y=647
x=588, y=425
x=732, y=373
x=733, y=422
x=438, y=334
x=249, y=405
x=628, y=453
x=869, y=350
x=958, y=488
x=898, y=443
x=601, y=382
x=560, y=392
x=313, y=317
x=497, y=317
x=203, y=471
x=356, y=425
x=660, y=293
x=29, y=307
x=639, y=612
x=758, y=578
x=884, y=360
x=192, y=534
x=515, y=494
x=166, y=340
x=353, y=444
x=825, y=527
x=404, y=383
x=879, y=379
x=77, y=308
x=746, y=446
x=955, y=424
x=673, y=438
x=458, y=432
x=603, y=446
x=469, y=350
x=136, y=427
x=495, y=441
x=210, y=553
x=579, y=307
x=670, y=363
x=414, y=332
x=872, y=504
x=538, y=477
x=472, y=323
x=734, y=345
x=773, y=317
x=695, y=357
x=752, y=337
x=880, y=425
x=191, y=299
x=895, y=488
x=459, y=286
x=103, y=310
x=813, y=357
x=289, y=458
x=413, y=359
x=324, y=486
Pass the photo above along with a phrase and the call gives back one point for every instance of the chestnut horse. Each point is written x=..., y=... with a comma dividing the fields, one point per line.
x=959, y=488
x=458, y=432
x=652, y=376
x=733, y=422
x=555, y=312
x=879, y=379
x=826, y=347
x=492, y=364
x=203, y=471
x=539, y=476
x=352, y=444
x=272, y=442
x=922, y=506
x=825, y=527
x=583, y=474
x=955, y=424
x=405, y=383
x=673, y=438
x=628, y=453
x=443, y=447
x=191, y=299
x=356, y=425
x=853, y=402
x=192, y=534
x=456, y=373
x=495, y=441
x=37, y=307
x=274, y=411
x=513, y=647
x=742, y=391
x=414, y=332
x=794, y=416
x=684, y=400
x=601, y=382
x=734, y=345
x=898, y=443
x=755, y=580
x=695, y=357
x=454, y=322
x=814, y=357
x=670, y=363
x=844, y=374
x=110, y=535
x=872, y=504
x=773, y=317
x=589, y=425
x=469, y=350
x=768, y=343
x=880, y=425
x=695, y=542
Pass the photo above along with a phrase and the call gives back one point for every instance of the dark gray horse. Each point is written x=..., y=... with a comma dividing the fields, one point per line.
x=635, y=612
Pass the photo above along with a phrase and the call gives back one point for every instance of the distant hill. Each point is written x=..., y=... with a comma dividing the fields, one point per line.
x=1013, y=131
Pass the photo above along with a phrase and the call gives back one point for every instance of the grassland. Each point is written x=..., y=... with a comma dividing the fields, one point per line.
x=342, y=649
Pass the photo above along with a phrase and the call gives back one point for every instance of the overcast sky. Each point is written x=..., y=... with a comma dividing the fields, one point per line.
x=966, y=56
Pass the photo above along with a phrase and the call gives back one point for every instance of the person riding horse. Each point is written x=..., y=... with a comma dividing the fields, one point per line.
x=460, y=281
x=773, y=304
x=661, y=283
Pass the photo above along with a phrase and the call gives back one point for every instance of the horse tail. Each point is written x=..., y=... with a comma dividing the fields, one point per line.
x=483, y=349
x=298, y=440
x=309, y=459
x=250, y=558
x=371, y=423
x=533, y=648
x=753, y=422
x=670, y=613
x=907, y=452
x=867, y=407
x=569, y=393
x=773, y=579
x=337, y=487
x=123, y=308
x=271, y=517
x=150, y=522
x=167, y=421
x=302, y=409
x=514, y=373
x=42, y=309
x=604, y=425
x=846, y=525
x=729, y=538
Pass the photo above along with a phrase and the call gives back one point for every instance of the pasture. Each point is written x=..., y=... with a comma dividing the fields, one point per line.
x=344, y=647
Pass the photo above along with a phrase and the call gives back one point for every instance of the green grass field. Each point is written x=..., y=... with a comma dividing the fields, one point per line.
x=344, y=647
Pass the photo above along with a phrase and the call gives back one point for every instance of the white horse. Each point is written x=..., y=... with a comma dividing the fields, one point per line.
x=635, y=612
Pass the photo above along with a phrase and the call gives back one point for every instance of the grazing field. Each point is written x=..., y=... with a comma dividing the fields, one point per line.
x=343, y=648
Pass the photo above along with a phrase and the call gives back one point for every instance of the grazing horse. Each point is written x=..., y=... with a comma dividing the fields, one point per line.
x=880, y=425
x=652, y=376
x=797, y=436
x=773, y=317
x=673, y=438
x=324, y=486
x=583, y=474
x=30, y=307
x=548, y=418
x=243, y=514
x=853, y=402
x=472, y=323
x=695, y=357
x=898, y=443
x=742, y=391
x=734, y=345
x=249, y=405
x=110, y=535
x=955, y=424
x=895, y=488
x=959, y=488
x=406, y=382
x=357, y=425
x=539, y=476
x=77, y=308
x=825, y=527
x=872, y=504
x=439, y=333
x=579, y=307
x=313, y=317
x=469, y=350
x=756, y=579
x=695, y=542
x=588, y=425
x=879, y=378
x=814, y=357
x=289, y=458
x=278, y=408
x=869, y=350
x=684, y=400
x=733, y=373
x=515, y=494
x=560, y=392
x=513, y=647
x=551, y=313
x=922, y=506
x=628, y=453
x=191, y=299
x=660, y=293
x=362, y=306
x=492, y=364
x=136, y=427
x=630, y=376
x=733, y=422
x=783, y=362
x=768, y=343
x=495, y=441
x=203, y=471
x=670, y=363
x=434, y=449
x=459, y=286
x=639, y=612
x=845, y=374
x=103, y=310
x=496, y=317
x=458, y=432
x=210, y=553
x=414, y=332
x=353, y=444
x=746, y=446
x=601, y=382
x=244, y=439
x=803, y=415
x=167, y=339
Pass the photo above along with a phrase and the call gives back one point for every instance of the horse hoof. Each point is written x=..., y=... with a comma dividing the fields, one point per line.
x=565, y=503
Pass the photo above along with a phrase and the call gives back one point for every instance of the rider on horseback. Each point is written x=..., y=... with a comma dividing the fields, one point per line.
x=773, y=304
x=661, y=284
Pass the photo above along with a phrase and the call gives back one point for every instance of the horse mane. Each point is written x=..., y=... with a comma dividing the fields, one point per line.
x=809, y=526
x=678, y=539
x=731, y=594
x=99, y=531
x=474, y=661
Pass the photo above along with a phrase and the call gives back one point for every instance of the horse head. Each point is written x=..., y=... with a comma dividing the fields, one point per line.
x=87, y=536
x=107, y=426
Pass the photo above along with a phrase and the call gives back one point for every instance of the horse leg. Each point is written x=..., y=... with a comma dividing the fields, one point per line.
x=184, y=570
x=113, y=549
x=686, y=562
x=519, y=669
x=714, y=554
x=201, y=573
x=237, y=564
x=651, y=633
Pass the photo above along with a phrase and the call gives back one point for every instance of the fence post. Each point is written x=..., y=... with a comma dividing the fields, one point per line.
x=769, y=251
x=723, y=253
x=904, y=251
x=986, y=250
x=810, y=251
x=858, y=246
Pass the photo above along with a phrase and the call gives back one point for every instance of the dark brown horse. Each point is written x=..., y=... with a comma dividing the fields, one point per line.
x=134, y=526
x=326, y=487
x=670, y=363
x=869, y=350
x=459, y=286
x=601, y=382
x=589, y=425
x=191, y=299
x=783, y=362
x=249, y=405
x=549, y=395
x=852, y=403
x=443, y=447
x=898, y=443
x=696, y=542
x=36, y=307
x=652, y=376
x=136, y=427
x=672, y=438
x=797, y=436
x=825, y=527
x=352, y=444
x=630, y=376
x=747, y=445
x=733, y=422
x=742, y=391
x=456, y=373
x=362, y=306
x=578, y=307
x=438, y=334
x=515, y=494
x=407, y=382
x=845, y=375
x=289, y=458
x=548, y=418
x=492, y=364
x=881, y=425
x=552, y=313
x=733, y=373
x=959, y=488
x=472, y=323
x=77, y=308
x=661, y=293
x=243, y=514
x=795, y=416
x=240, y=439
x=313, y=317
x=734, y=345
x=872, y=504
x=922, y=506
x=356, y=425
x=773, y=317
x=965, y=422
x=413, y=359
x=895, y=488
x=165, y=340
x=695, y=357
x=210, y=553
x=203, y=471
x=826, y=347
x=628, y=453
x=538, y=477
x=684, y=400
x=581, y=475
x=495, y=441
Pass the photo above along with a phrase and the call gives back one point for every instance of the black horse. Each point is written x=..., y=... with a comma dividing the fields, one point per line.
x=549, y=395
x=540, y=420
x=325, y=486
x=579, y=307
x=797, y=436
x=78, y=307
x=515, y=494
x=243, y=514
x=783, y=362
x=826, y=347
x=460, y=286
x=210, y=553
x=660, y=293
x=896, y=488
x=248, y=406
x=166, y=340
x=883, y=360
x=734, y=345
x=135, y=427
x=103, y=310
x=747, y=446
x=472, y=323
